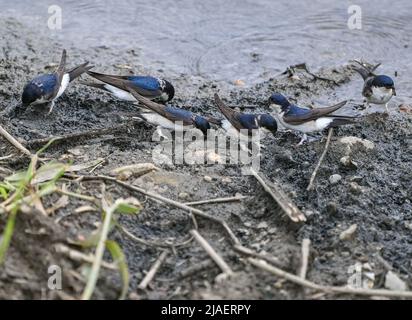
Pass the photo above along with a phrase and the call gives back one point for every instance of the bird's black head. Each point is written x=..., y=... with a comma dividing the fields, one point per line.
x=30, y=94
x=268, y=122
x=383, y=81
x=170, y=90
x=202, y=124
x=278, y=99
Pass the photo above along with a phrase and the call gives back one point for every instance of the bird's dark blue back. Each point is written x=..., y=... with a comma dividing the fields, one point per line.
x=47, y=82
x=145, y=82
x=294, y=110
x=248, y=121
x=179, y=113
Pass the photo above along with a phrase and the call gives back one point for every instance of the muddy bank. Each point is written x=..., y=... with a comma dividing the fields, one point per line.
x=374, y=191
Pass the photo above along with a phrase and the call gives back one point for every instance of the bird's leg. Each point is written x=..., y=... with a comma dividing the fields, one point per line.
x=386, y=107
x=51, y=107
x=304, y=138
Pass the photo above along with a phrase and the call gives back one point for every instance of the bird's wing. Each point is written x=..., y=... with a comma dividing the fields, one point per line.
x=169, y=113
x=313, y=114
x=231, y=115
x=121, y=81
x=367, y=88
x=79, y=70
x=60, y=72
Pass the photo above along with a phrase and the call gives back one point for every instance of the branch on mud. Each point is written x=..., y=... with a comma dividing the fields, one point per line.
x=305, y=258
x=156, y=196
x=73, y=136
x=290, y=71
x=327, y=289
x=313, y=176
x=281, y=198
x=212, y=253
x=217, y=200
x=14, y=142
x=153, y=270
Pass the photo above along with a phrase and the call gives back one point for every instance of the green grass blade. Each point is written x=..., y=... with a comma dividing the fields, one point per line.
x=119, y=257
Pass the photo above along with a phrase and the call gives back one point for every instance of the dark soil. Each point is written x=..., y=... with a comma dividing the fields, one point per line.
x=376, y=194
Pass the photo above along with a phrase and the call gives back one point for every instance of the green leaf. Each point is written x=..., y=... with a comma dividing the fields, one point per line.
x=119, y=257
x=49, y=171
x=7, y=234
x=3, y=192
x=127, y=206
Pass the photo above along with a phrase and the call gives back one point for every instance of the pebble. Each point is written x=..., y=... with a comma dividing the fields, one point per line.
x=226, y=180
x=349, y=233
x=331, y=208
x=393, y=282
x=335, y=178
x=348, y=162
x=355, y=188
x=183, y=195
x=262, y=225
x=207, y=178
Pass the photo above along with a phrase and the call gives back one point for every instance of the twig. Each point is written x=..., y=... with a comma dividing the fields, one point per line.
x=156, y=196
x=216, y=200
x=305, y=258
x=81, y=257
x=198, y=267
x=313, y=176
x=281, y=198
x=14, y=142
x=248, y=252
x=153, y=270
x=211, y=252
x=76, y=136
x=328, y=289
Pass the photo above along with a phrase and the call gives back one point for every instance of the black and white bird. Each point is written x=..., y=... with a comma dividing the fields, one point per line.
x=168, y=117
x=149, y=87
x=305, y=120
x=47, y=88
x=377, y=89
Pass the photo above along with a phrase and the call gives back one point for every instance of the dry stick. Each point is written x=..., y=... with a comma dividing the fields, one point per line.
x=14, y=142
x=156, y=196
x=328, y=289
x=211, y=252
x=81, y=257
x=216, y=200
x=153, y=270
x=72, y=136
x=305, y=258
x=248, y=252
x=281, y=198
x=312, y=178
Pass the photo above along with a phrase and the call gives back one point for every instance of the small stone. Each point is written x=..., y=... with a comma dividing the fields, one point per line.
x=355, y=188
x=349, y=233
x=226, y=180
x=348, y=162
x=183, y=195
x=272, y=230
x=345, y=254
x=351, y=140
x=207, y=178
x=335, y=178
x=393, y=282
x=331, y=208
x=239, y=82
x=262, y=225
